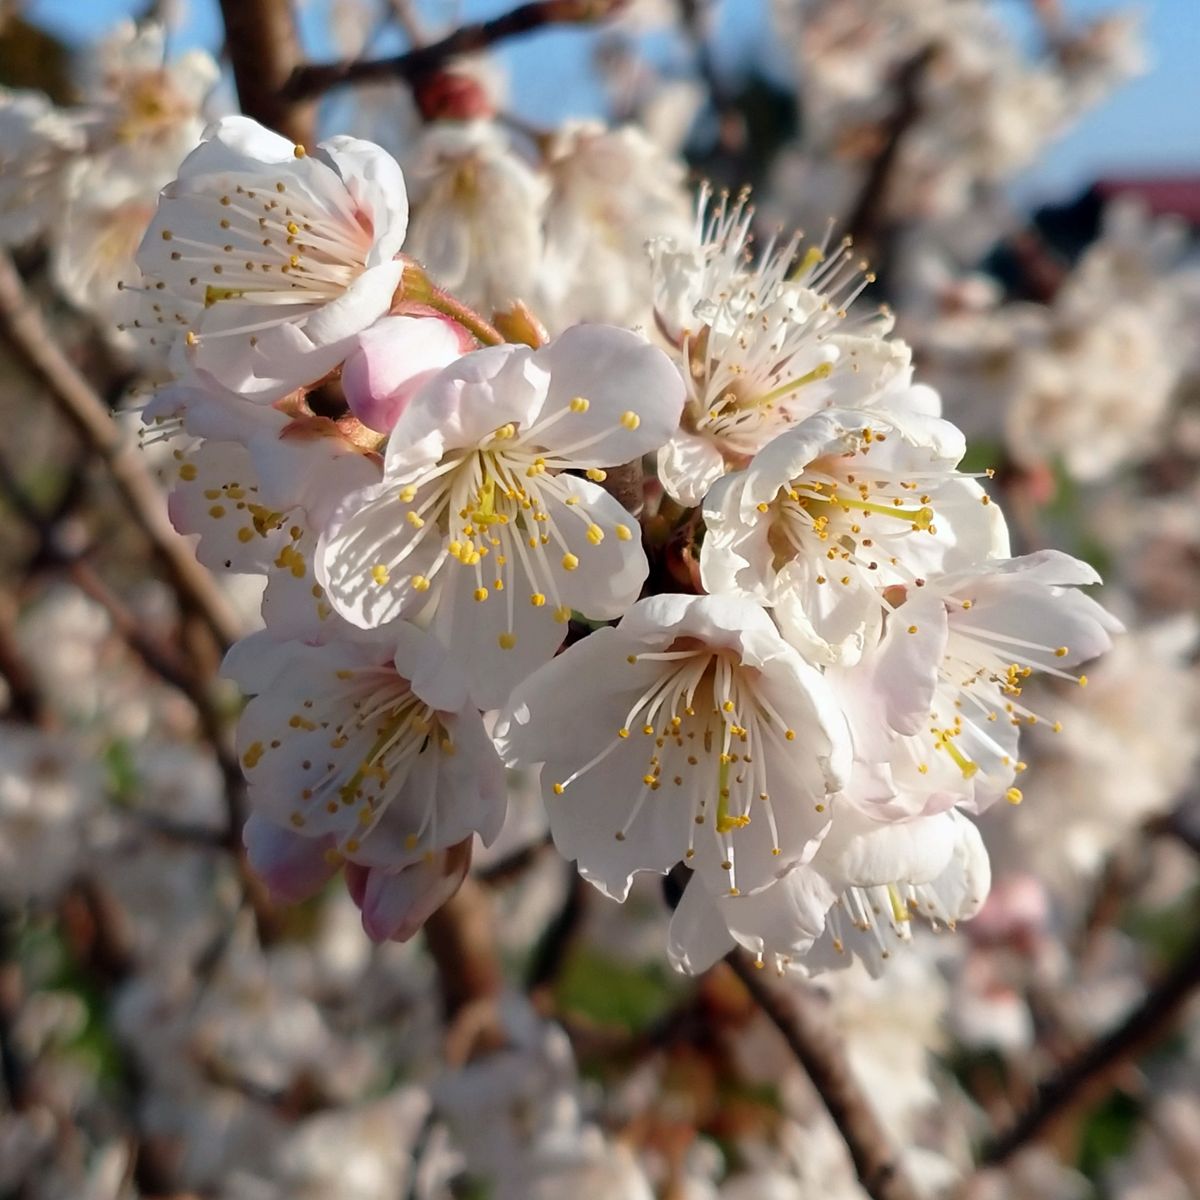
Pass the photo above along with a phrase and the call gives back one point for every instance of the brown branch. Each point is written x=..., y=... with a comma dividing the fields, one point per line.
x=554, y=947
x=807, y=1026
x=421, y=61
x=1149, y=1023
x=25, y=701
x=462, y=943
x=264, y=51
x=865, y=224
x=23, y=326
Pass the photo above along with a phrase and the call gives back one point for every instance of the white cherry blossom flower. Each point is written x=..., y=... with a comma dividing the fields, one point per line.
x=478, y=522
x=612, y=191
x=378, y=757
x=940, y=703
x=37, y=142
x=104, y=220
x=689, y=732
x=835, y=510
x=477, y=213
x=759, y=347
x=858, y=896
x=263, y=262
x=259, y=506
x=144, y=109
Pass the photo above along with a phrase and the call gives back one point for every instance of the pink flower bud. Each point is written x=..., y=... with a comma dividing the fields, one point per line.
x=392, y=359
x=292, y=867
x=395, y=904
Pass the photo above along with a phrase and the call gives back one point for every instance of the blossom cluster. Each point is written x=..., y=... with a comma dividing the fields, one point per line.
x=821, y=641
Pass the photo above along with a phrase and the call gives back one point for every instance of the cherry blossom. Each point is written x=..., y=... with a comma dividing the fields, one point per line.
x=270, y=260
x=375, y=756
x=839, y=508
x=477, y=520
x=760, y=347
x=858, y=896
x=701, y=737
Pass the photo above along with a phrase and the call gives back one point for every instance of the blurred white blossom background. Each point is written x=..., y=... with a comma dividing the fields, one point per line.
x=525, y=333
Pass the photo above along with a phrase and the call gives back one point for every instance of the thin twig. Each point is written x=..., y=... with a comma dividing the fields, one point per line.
x=264, y=50
x=22, y=325
x=808, y=1028
x=1151, y=1021
x=316, y=78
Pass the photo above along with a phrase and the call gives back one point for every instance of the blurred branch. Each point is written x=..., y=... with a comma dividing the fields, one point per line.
x=513, y=865
x=23, y=326
x=1147, y=1024
x=806, y=1024
x=161, y=660
x=24, y=700
x=550, y=954
x=868, y=215
x=264, y=51
x=415, y=64
x=462, y=943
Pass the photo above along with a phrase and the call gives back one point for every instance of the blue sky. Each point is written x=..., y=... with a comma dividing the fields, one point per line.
x=1150, y=126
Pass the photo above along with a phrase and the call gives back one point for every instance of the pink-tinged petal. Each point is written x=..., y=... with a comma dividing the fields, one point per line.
x=391, y=360
x=905, y=669
x=396, y=904
x=375, y=183
x=292, y=867
x=463, y=404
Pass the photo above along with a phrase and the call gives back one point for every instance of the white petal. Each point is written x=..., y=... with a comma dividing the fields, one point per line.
x=634, y=394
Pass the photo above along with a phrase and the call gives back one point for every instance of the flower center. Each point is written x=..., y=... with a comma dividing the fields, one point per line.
x=361, y=740
x=709, y=733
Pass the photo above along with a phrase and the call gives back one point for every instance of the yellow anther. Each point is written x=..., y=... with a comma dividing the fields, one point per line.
x=624, y=533
x=188, y=472
x=1061, y=652
x=595, y=534
x=1014, y=795
x=380, y=574
x=481, y=593
x=253, y=755
x=420, y=583
x=507, y=641
x=569, y=562
x=562, y=614
x=537, y=599
x=559, y=789
x=408, y=493
x=579, y=405
x=912, y=629
x=630, y=419
x=596, y=475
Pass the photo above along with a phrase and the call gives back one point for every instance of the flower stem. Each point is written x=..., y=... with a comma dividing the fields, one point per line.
x=416, y=288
